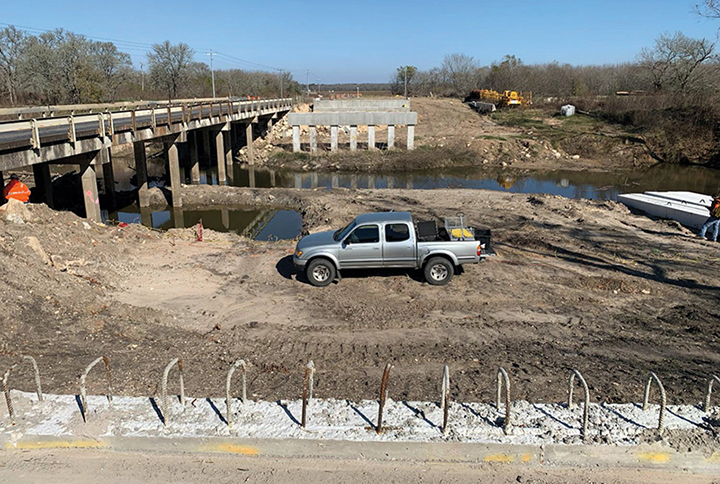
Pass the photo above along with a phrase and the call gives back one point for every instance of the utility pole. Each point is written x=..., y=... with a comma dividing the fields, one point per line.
x=307, y=81
x=405, y=82
x=212, y=71
x=142, y=78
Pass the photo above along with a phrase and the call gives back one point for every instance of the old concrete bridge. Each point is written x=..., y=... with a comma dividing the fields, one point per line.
x=83, y=135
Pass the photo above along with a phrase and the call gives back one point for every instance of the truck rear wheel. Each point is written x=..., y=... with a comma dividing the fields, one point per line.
x=438, y=271
x=320, y=272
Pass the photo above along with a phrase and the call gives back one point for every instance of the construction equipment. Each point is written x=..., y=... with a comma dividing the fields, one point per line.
x=506, y=98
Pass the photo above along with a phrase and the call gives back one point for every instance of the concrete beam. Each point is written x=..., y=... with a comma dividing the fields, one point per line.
x=220, y=157
x=141, y=174
x=90, y=188
x=296, y=138
x=345, y=119
x=175, y=180
x=360, y=105
x=43, y=183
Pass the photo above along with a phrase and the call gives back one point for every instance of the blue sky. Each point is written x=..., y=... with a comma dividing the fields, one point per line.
x=366, y=41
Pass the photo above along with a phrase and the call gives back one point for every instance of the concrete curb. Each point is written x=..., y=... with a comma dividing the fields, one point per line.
x=642, y=456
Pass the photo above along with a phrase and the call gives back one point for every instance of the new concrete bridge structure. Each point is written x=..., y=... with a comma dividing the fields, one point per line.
x=84, y=134
x=354, y=113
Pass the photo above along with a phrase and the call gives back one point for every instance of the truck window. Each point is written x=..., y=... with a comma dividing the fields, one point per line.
x=367, y=234
x=396, y=232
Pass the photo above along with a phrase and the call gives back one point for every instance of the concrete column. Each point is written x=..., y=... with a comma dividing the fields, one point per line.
x=313, y=139
x=141, y=174
x=391, y=136
x=353, y=138
x=335, y=183
x=269, y=124
x=333, y=138
x=146, y=216
x=298, y=180
x=43, y=182
x=313, y=180
x=178, y=216
x=220, y=147
x=175, y=180
x=225, y=216
x=251, y=176
x=371, y=137
x=272, y=178
x=109, y=175
x=194, y=158
x=228, y=149
x=411, y=137
x=206, y=144
x=371, y=181
x=90, y=188
x=250, y=147
x=296, y=139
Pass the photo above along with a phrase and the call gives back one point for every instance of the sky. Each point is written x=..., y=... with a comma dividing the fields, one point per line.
x=366, y=41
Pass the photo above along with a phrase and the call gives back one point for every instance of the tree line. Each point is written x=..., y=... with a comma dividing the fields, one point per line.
x=60, y=67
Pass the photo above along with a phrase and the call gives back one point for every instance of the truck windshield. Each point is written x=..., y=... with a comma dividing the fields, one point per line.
x=340, y=234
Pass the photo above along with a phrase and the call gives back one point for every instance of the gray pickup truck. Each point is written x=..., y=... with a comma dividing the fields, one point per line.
x=391, y=239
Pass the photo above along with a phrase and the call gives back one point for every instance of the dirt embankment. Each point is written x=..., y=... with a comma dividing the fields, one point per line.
x=577, y=284
x=450, y=134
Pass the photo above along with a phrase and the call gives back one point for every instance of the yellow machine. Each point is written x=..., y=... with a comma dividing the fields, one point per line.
x=506, y=98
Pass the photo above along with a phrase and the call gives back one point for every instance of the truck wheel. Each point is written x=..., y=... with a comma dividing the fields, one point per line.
x=438, y=271
x=320, y=272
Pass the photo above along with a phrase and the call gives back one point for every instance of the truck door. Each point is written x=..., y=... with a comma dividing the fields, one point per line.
x=362, y=248
x=399, y=247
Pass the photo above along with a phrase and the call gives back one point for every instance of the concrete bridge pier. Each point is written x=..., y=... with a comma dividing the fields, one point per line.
x=391, y=136
x=371, y=137
x=411, y=137
x=333, y=138
x=251, y=176
x=298, y=180
x=313, y=139
x=146, y=216
x=141, y=174
x=207, y=153
x=353, y=138
x=174, y=170
x=194, y=157
x=249, y=141
x=296, y=138
x=228, y=146
x=108, y=175
x=43, y=182
x=88, y=177
x=272, y=178
x=220, y=157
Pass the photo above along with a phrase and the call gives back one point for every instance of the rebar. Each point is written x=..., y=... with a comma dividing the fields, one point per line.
x=164, y=387
x=37, y=376
x=502, y=375
x=711, y=379
x=383, y=396
x=663, y=400
x=307, y=390
x=6, y=391
x=586, y=391
x=83, y=378
x=228, y=401
x=445, y=398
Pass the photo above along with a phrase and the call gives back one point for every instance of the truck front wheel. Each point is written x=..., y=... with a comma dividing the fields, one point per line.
x=438, y=271
x=320, y=272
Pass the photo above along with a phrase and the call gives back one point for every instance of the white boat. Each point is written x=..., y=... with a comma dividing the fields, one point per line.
x=688, y=208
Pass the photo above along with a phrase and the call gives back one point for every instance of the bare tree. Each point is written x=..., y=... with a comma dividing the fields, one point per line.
x=113, y=65
x=169, y=66
x=674, y=60
x=12, y=43
x=709, y=9
x=462, y=72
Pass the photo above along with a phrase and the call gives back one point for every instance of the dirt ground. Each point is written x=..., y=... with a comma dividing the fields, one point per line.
x=576, y=284
x=89, y=466
x=450, y=134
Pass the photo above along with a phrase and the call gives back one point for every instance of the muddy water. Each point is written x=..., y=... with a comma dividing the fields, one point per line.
x=567, y=183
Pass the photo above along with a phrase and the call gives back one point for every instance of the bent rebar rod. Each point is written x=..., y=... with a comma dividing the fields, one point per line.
x=228, y=401
x=307, y=390
x=586, y=391
x=383, y=396
x=164, y=387
x=6, y=388
x=502, y=374
x=711, y=379
x=37, y=376
x=83, y=379
x=663, y=400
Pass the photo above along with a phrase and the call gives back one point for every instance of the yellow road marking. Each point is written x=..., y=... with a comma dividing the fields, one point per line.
x=230, y=449
x=504, y=458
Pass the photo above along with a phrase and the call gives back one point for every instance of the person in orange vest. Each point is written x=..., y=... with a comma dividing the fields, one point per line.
x=17, y=190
